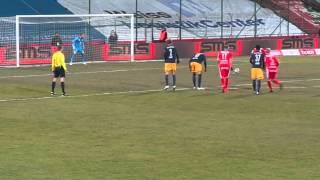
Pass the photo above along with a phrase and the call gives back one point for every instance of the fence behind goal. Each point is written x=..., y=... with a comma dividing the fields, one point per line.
x=29, y=37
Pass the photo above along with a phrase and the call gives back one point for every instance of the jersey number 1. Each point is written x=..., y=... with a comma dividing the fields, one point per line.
x=170, y=53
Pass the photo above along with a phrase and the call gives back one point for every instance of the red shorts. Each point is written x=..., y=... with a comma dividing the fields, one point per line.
x=224, y=72
x=272, y=75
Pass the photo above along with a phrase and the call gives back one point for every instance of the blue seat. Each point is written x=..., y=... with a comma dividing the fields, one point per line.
x=31, y=7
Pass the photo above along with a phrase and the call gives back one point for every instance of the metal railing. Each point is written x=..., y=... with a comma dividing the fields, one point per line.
x=216, y=19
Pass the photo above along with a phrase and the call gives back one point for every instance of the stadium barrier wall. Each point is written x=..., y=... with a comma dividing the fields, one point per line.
x=121, y=51
x=41, y=53
x=296, y=52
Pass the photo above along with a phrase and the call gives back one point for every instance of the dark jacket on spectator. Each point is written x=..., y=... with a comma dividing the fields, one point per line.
x=113, y=38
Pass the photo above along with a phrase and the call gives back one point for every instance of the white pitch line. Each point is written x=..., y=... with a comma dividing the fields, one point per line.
x=301, y=80
x=235, y=87
x=25, y=76
x=295, y=87
x=76, y=73
x=286, y=81
x=88, y=95
x=125, y=92
x=96, y=72
x=89, y=72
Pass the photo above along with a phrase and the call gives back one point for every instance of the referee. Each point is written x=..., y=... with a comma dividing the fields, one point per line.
x=59, y=68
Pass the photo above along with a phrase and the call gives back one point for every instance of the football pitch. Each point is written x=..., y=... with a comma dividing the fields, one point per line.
x=117, y=123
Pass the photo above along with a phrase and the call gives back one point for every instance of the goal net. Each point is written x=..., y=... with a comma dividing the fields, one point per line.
x=35, y=33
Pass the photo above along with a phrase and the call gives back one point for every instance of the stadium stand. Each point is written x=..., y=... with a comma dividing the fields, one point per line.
x=36, y=7
x=31, y=7
x=21, y=7
x=201, y=22
x=303, y=14
x=200, y=18
x=313, y=3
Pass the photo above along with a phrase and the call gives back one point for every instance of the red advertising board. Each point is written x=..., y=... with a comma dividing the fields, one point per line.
x=121, y=51
x=100, y=51
x=212, y=47
x=297, y=43
x=30, y=54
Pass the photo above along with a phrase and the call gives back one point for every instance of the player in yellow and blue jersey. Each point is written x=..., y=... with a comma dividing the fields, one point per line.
x=171, y=59
x=257, y=67
x=195, y=66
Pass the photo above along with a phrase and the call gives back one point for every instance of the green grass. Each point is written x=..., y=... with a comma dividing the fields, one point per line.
x=159, y=135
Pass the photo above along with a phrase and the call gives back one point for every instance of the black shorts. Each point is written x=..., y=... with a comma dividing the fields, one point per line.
x=59, y=72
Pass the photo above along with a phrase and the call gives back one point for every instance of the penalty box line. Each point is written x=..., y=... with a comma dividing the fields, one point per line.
x=284, y=81
x=88, y=95
x=235, y=87
x=94, y=72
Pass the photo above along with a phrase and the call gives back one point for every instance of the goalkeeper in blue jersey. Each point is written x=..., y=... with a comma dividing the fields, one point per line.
x=78, y=47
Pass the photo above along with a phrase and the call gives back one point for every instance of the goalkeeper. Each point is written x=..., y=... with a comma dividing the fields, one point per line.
x=78, y=47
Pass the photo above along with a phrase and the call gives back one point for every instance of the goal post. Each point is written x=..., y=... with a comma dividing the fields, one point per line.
x=35, y=32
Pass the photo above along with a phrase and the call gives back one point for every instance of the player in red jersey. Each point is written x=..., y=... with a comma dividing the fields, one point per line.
x=272, y=67
x=225, y=66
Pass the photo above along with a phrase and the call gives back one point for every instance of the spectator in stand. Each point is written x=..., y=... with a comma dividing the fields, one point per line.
x=56, y=42
x=113, y=38
x=163, y=35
